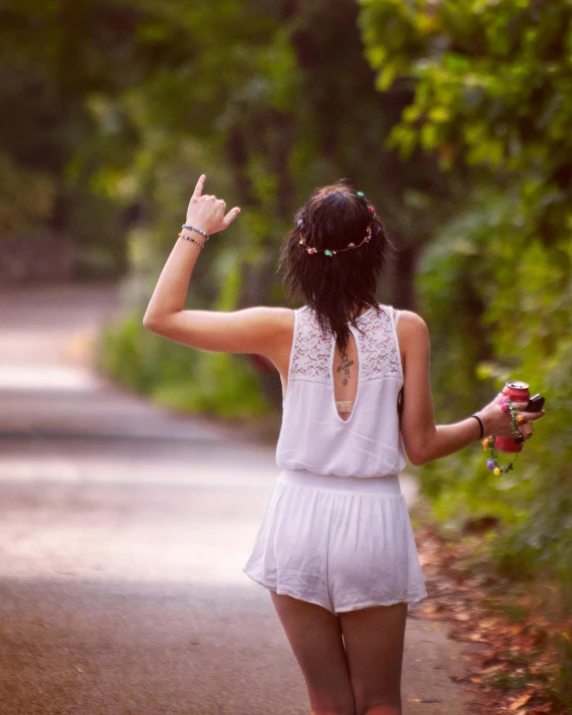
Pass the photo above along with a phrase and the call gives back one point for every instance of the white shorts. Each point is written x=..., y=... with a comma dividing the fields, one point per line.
x=343, y=543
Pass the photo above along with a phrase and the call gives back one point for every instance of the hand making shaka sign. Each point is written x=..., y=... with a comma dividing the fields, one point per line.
x=207, y=213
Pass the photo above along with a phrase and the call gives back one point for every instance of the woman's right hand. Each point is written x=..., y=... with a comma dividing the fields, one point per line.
x=498, y=422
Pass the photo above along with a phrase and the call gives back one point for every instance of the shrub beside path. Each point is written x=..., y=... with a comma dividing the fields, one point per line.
x=125, y=528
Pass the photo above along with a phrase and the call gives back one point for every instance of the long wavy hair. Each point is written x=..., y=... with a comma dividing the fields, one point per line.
x=339, y=286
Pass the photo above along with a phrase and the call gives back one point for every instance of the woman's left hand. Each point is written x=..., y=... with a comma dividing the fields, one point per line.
x=207, y=212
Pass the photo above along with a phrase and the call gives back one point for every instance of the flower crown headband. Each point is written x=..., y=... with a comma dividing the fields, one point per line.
x=331, y=251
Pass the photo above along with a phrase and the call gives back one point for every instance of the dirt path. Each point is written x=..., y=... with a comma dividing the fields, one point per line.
x=123, y=536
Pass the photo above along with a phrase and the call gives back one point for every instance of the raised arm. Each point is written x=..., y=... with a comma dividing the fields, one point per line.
x=425, y=441
x=261, y=330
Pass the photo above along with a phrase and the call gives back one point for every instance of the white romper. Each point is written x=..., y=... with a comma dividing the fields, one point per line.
x=336, y=530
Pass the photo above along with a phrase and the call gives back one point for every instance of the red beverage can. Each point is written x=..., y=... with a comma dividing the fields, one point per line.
x=516, y=391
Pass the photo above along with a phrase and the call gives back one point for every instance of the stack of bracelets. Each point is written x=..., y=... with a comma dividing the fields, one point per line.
x=191, y=238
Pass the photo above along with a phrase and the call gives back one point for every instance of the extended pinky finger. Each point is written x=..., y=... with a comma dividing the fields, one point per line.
x=231, y=215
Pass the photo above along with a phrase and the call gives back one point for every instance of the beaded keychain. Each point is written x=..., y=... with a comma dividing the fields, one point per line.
x=489, y=442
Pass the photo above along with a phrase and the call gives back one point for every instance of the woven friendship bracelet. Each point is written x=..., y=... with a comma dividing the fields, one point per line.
x=198, y=230
x=193, y=240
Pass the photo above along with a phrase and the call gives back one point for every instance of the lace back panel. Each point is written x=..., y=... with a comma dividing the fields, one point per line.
x=377, y=345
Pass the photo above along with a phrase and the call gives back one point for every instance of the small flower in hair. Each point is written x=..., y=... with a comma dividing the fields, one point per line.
x=360, y=193
x=330, y=252
x=300, y=223
x=372, y=209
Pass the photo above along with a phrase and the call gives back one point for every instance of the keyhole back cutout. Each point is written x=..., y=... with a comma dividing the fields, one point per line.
x=345, y=373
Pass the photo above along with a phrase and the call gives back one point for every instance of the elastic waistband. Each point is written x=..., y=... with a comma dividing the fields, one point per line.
x=388, y=485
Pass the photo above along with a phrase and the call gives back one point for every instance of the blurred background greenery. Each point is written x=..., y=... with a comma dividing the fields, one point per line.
x=453, y=117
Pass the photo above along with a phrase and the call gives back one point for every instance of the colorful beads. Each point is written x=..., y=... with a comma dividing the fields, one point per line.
x=331, y=251
x=492, y=463
x=359, y=193
x=489, y=442
x=192, y=240
x=198, y=230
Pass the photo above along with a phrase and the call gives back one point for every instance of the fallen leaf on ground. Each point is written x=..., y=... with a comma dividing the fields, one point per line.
x=517, y=704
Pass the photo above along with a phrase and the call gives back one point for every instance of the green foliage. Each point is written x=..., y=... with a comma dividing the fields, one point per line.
x=252, y=90
x=498, y=309
x=56, y=153
x=27, y=197
x=490, y=86
x=184, y=379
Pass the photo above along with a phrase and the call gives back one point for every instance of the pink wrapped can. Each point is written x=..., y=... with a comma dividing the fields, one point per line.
x=516, y=391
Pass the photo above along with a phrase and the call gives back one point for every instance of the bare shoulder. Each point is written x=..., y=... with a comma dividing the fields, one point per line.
x=411, y=325
x=413, y=335
x=273, y=325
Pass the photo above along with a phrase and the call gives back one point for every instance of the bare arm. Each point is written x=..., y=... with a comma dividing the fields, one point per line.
x=259, y=330
x=425, y=441
x=253, y=330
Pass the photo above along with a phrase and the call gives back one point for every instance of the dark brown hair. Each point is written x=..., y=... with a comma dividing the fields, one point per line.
x=336, y=287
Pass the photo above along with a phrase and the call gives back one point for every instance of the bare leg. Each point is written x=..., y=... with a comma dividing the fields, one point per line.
x=374, y=640
x=316, y=639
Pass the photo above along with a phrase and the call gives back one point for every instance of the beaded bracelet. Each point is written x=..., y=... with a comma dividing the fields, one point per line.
x=192, y=239
x=489, y=442
x=198, y=230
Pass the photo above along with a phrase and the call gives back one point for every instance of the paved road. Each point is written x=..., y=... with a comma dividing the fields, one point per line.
x=122, y=540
